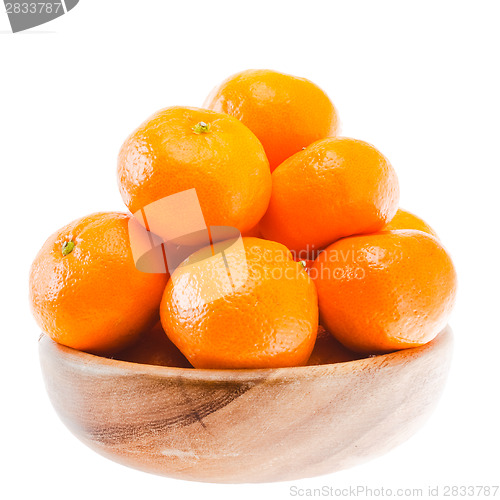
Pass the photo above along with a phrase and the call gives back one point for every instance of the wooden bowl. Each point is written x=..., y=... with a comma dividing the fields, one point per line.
x=235, y=426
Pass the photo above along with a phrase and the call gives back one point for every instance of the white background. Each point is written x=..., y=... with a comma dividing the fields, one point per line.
x=419, y=80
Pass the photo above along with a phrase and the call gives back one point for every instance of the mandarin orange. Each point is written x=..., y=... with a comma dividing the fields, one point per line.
x=285, y=112
x=248, y=306
x=328, y=350
x=385, y=291
x=334, y=188
x=406, y=220
x=154, y=348
x=85, y=290
x=180, y=148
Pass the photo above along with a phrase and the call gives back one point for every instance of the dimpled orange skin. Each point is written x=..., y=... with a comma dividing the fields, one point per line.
x=334, y=188
x=93, y=299
x=406, y=220
x=154, y=348
x=285, y=112
x=385, y=291
x=268, y=322
x=226, y=165
x=327, y=350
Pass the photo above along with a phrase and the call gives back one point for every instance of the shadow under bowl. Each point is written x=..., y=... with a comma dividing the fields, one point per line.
x=245, y=426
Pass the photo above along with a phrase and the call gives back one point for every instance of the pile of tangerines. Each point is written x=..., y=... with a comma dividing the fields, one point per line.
x=323, y=241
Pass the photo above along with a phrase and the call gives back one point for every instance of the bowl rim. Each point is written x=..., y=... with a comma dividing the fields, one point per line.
x=115, y=366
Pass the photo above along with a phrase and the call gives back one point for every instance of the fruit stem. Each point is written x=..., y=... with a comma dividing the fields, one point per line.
x=303, y=263
x=201, y=128
x=67, y=248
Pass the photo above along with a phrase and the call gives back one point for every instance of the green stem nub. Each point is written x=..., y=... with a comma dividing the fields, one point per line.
x=303, y=263
x=67, y=248
x=201, y=128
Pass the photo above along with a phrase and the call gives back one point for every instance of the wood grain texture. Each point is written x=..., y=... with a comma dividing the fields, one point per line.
x=234, y=426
